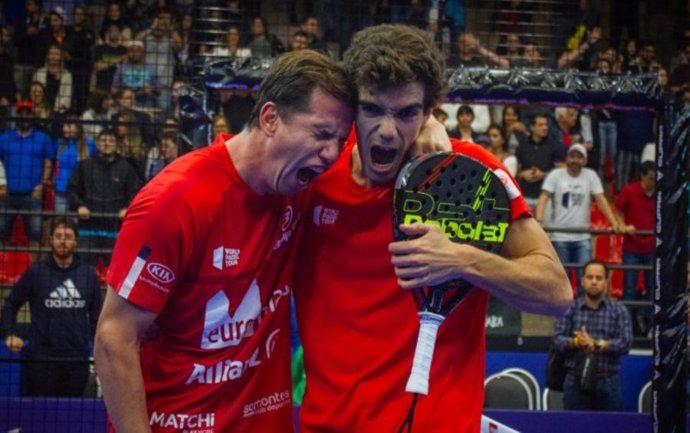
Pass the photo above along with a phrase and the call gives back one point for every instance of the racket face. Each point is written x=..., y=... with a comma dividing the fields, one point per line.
x=460, y=195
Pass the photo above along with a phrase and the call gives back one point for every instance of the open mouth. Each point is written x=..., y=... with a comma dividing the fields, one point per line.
x=382, y=155
x=306, y=175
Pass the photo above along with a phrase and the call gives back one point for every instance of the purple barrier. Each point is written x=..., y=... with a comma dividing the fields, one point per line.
x=572, y=422
x=52, y=415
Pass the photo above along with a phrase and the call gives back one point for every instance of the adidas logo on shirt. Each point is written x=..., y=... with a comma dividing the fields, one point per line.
x=65, y=295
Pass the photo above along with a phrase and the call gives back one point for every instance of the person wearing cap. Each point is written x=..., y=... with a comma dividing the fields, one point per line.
x=138, y=75
x=27, y=154
x=571, y=189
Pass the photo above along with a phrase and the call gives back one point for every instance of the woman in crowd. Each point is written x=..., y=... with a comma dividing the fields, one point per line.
x=56, y=79
x=132, y=147
x=99, y=110
x=37, y=96
x=71, y=148
x=499, y=147
x=513, y=129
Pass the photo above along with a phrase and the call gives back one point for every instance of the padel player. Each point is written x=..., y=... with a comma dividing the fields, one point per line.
x=358, y=327
x=194, y=334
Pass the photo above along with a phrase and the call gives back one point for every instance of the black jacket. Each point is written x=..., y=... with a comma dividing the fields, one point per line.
x=64, y=307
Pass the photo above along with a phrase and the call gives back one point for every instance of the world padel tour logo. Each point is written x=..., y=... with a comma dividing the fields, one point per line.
x=222, y=329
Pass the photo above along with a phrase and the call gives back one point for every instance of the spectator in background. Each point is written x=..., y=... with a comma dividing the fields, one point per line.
x=78, y=47
x=635, y=206
x=8, y=89
x=126, y=104
x=568, y=131
x=173, y=109
x=630, y=55
x=596, y=324
x=65, y=299
x=537, y=154
x=161, y=42
x=299, y=41
x=99, y=110
x=646, y=59
x=604, y=124
x=513, y=129
x=30, y=45
x=310, y=26
x=42, y=111
x=571, y=189
x=531, y=57
x=71, y=148
x=472, y=53
x=463, y=131
x=440, y=115
x=232, y=47
x=108, y=57
x=168, y=151
x=56, y=79
x=635, y=130
x=237, y=104
x=105, y=184
x=680, y=76
x=27, y=156
x=114, y=17
x=262, y=43
x=185, y=53
x=499, y=147
x=220, y=125
x=581, y=57
x=131, y=147
x=510, y=48
x=137, y=75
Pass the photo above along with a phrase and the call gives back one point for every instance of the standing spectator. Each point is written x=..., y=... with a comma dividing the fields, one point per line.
x=174, y=106
x=78, y=47
x=42, y=111
x=568, y=131
x=536, y=156
x=185, y=53
x=108, y=56
x=130, y=145
x=596, y=324
x=30, y=46
x=513, y=129
x=635, y=129
x=64, y=297
x=105, y=184
x=26, y=154
x=646, y=59
x=71, y=148
x=571, y=189
x=56, y=32
x=161, y=42
x=299, y=41
x=138, y=76
x=126, y=104
x=56, y=79
x=472, y=53
x=263, y=43
x=310, y=26
x=580, y=57
x=604, y=123
x=169, y=150
x=635, y=205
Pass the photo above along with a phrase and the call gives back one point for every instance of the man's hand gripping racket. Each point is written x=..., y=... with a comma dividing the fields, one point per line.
x=468, y=201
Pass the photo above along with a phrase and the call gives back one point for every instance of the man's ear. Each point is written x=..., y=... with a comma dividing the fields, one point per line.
x=269, y=118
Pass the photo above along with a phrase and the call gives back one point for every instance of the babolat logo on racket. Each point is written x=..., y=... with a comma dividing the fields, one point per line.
x=460, y=195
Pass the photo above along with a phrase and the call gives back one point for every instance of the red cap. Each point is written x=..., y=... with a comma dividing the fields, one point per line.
x=24, y=105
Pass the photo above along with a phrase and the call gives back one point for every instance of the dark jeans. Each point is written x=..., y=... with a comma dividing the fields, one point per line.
x=641, y=316
x=32, y=224
x=56, y=378
x=89, y=246
x=606, y=396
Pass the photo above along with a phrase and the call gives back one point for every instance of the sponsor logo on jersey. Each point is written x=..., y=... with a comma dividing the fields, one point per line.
x=232, y=369
x=267, y=403
x=189, y=423
x=224, y=258
x=222, y=329
x=160, y=272
x=65, y=295
x=324, y=215
x=288, y=225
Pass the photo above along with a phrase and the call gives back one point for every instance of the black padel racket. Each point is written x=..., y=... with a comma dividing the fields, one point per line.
x=470, y=204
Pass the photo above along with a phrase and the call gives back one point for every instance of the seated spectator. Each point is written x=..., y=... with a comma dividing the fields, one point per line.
x=630, y=55
x=56, y=79
x=27, y=155
x=463, y=131
x=499, y=147
x=513, y=129
x=114, y=17
x=71, y=148
x=99, y=110
x=261, y=42
x=310, y=26
x=130, y=145
x=232, y=47
x=108, y=57
x=166, y=151
x=42, y=111
x=64, y=296
x=103, y=184
x=138, y=76
x=144, y=117
x=510, y=48
x=299, y=41
x=220, y=125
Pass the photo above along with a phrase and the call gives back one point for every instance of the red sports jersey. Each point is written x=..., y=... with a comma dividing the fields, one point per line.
x=359, y=328
x=637, y=209
x=214, y=260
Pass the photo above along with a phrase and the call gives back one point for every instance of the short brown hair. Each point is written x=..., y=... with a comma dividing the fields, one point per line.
x=394, y=54
x=64, y=221
x=292, y=79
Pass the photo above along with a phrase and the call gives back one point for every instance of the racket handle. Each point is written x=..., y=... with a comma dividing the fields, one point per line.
x=418, y=381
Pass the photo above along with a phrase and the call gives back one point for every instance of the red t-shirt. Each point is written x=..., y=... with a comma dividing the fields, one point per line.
x=214, y=260
x=359, y=328
x=637, y=209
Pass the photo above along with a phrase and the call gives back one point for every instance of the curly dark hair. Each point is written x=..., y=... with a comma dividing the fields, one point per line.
x=394, y=54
